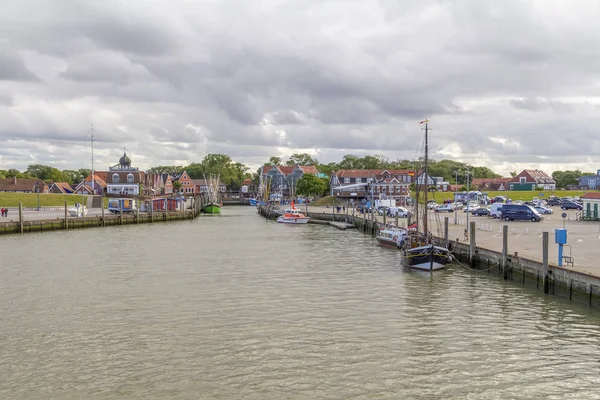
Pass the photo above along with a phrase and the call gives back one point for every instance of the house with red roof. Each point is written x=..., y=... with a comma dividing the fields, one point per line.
x=352, y=183
x=591, y=206
x=531, y=179
x=61, y=187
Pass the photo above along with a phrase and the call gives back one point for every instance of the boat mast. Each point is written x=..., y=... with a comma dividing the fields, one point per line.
x=92, y=140
x=426, y=179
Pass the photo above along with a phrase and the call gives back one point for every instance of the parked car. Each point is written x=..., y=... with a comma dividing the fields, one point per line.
x=470, y=208
x=458, y=205
x=432, y=206
x=543, y=210
x=382, y=210
x=496, y=210
x=520, y=212
x=571, y=205
x=401, y=211
x=554, y=202
x=481, y=211
x=445, y=208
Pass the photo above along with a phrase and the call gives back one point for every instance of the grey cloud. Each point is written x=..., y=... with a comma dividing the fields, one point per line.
x=12, y=67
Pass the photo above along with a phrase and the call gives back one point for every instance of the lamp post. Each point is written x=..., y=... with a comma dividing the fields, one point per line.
x=455, y=195
x=467, y=173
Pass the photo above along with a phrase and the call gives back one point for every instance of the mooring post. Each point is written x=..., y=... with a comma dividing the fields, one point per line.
x=151, y=211
x=397, y=220
x=446, y=231
x=384, y=219
x=103, y=224
x=545, y=260
x=121, y=213
x=20, y=217
x=505, y=251
x=472, y=244
x=66, y=217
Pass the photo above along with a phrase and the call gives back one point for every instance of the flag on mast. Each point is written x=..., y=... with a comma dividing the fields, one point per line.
x=422, y=122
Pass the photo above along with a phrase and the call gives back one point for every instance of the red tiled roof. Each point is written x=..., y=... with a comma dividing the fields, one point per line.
x=309, y=169
x=591, y=195
x=286, y=169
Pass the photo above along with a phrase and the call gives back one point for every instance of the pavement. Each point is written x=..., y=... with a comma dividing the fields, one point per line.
x=13, y=215
x=524, y=237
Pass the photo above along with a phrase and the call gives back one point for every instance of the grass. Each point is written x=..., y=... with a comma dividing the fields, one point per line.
x=514, y=195
x=328, y=201
x=31, y=199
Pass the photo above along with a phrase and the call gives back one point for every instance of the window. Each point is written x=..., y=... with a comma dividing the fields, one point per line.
x=346, y=180
x=129, y=178
x=522, y=179
x=115, y=178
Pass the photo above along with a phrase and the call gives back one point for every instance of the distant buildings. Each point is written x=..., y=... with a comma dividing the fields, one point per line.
x=21, y=185
x=589, y=182
x=532, y=179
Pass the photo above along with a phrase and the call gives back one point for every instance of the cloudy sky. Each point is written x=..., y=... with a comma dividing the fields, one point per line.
x=510, y=85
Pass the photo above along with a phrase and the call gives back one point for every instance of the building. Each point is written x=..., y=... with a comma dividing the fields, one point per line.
x=21, y=185
x=590, y=182
x=188, y=187
x=158, y=184
x=283, y=178
x=202, y=186
x=438, y=182
x=492, y=184
x=591, y=207
x=61, y=187
x=385, y=183
x=99, y=186
x=123, y=179
x=532, y=179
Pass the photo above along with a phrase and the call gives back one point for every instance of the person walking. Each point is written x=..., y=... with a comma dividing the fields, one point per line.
x=2, y=211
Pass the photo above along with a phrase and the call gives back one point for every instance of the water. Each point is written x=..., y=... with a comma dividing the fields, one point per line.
x=233, y=306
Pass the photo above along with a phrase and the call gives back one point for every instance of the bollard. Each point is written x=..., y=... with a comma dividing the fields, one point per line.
x=397, y=222
x=446, y=231
x=103, y=224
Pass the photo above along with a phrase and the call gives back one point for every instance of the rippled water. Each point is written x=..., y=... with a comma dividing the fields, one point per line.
x=233, y=306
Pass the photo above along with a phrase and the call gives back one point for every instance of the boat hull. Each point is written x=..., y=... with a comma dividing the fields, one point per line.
x=427, y=258
x=284, y=220
x=211, y=209
x=386, y=242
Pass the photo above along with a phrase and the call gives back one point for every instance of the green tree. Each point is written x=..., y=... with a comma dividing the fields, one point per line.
x=310, y=185
x=177, y=185
x=564, y=178
x=273, y=161
x=302, y=159
x=166, y=169
x=47, y=173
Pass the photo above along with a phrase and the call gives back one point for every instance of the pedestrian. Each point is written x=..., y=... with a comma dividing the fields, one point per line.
x=2, y=211
x=6, y=212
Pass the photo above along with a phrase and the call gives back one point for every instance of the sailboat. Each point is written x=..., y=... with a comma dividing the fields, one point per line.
x=211, y=197
x=421, y=253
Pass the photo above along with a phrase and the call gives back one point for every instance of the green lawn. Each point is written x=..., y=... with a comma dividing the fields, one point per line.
x=514, y=195
x=328, y=201
x=31, y=199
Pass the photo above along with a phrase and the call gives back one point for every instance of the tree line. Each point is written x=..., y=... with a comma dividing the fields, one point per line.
x=233, y=173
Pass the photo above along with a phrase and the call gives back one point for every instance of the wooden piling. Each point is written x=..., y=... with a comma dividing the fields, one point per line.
x=505, y=251
x=103, y=222
x=20, y=217
x=397, y=219
x=446, y=231
x=66, y=217
x=472, y=244
x=545, y=260
x=121, y=215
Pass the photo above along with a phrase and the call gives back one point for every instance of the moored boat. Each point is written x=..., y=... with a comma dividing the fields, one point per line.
x=211, y=208
x=392, y=237
x=427, y=258
x=293, y=216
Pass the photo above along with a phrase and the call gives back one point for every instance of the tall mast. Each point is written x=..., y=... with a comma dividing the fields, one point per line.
x=92, y=141
x=426, y=180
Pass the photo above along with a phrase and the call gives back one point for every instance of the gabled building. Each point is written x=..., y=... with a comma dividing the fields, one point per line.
x=61, y=187
x=590, y=182
x=283, y=178
x=591, y=207
x=123, y=179
x=21, y=185
x=99, y=186
x=159, y=184
x=202, y=186
x=187, y=185
x=438, y=182
x=530, y=179
x=352, y=183
x=492, y=184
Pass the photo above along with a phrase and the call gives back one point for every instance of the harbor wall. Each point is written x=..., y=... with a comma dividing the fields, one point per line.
x=573, y=285
x=67, y=222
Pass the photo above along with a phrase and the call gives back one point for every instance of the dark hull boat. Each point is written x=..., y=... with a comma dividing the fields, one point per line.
x=427, y=258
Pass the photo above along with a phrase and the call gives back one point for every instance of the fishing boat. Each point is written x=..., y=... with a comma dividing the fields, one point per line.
x=253, y=202
x=212, y=205
x=392, y=237
x=292, y=216
x=420, y=252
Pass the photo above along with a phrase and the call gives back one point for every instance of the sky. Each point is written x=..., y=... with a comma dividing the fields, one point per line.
x=508, y=84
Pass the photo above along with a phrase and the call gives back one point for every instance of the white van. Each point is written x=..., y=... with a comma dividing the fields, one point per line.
x=495, y=210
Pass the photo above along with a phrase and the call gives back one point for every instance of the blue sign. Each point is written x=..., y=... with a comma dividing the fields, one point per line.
x=541, y=194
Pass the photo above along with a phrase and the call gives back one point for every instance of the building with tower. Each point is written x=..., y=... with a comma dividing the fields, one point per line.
x=123, y=179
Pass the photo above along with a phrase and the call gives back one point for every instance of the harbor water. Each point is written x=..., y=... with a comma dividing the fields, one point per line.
x=232, y=306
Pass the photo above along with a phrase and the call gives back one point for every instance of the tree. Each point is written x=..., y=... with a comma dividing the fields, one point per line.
x=513, y=174
x=311, y=185
x=564, y=178
x=166, y=169
x=273, y=161
x=177, y=185
x=301, y=159
x=47, y=173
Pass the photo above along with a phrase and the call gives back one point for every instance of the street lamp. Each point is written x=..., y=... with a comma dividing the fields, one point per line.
x=455, y=195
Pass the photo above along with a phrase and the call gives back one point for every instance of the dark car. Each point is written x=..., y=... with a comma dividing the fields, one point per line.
x=571, y=205
x=554, y=202
x=481, y=211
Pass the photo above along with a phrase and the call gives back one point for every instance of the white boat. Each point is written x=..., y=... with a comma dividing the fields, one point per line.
x=293, y=216
x=392, y=237
x=427, y=258
x=78, y=211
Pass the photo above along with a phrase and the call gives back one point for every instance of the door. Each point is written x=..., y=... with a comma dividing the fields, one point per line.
x=595, y=210
x=588, y=212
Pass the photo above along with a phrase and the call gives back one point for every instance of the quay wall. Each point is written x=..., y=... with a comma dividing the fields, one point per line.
x=97, y=221
x=576, y=286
